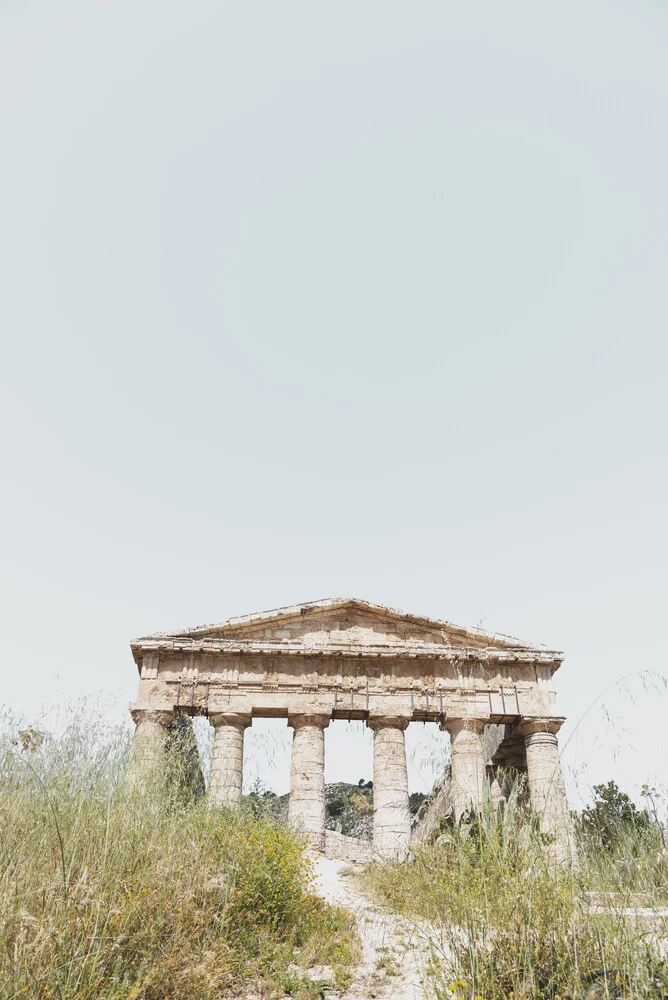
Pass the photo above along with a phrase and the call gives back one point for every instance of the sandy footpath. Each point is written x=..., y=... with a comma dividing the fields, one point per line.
x=394, y=951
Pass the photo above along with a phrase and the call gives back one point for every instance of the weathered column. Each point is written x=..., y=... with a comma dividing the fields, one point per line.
x=184, y=765
x=546, y=784
x=508, y=779
x=227, y=761
x=306, y=808
x=495, y=790
x=391, y=813
x=149, y=744
x=467, y=763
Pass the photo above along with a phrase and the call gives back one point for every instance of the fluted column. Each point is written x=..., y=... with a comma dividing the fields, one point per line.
x=227, y=761
x=306, y=809
x=546, y=785
x=391, y=813
x=149, y=744
x=468, y=765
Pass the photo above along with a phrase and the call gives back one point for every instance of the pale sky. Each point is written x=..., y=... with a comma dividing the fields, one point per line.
x=311, y=299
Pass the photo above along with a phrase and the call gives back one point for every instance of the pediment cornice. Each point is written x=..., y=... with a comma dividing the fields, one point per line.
x=478, y=638
x=389, y=650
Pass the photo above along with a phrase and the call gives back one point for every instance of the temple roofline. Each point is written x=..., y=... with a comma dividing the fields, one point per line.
x=332, y=603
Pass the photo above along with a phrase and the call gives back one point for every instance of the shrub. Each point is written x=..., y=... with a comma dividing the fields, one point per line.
x=614, y=817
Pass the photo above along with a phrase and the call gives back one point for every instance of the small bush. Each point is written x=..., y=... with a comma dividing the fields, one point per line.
x=613, y=818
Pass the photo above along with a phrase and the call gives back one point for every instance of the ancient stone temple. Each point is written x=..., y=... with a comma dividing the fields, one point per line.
x=349, y=659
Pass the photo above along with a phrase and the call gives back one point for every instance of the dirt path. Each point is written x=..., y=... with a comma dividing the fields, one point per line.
x=395, y=952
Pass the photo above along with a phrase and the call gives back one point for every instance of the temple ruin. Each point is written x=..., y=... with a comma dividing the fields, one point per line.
x=349, y=659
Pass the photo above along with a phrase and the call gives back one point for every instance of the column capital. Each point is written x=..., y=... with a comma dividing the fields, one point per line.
x=236, y=719
x=315, y=719
x=387, y=722
x=455, y=726
x=541, y=738
x=162, y=718
x=530, y=726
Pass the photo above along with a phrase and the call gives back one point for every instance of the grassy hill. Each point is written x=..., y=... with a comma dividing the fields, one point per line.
x=114, y=893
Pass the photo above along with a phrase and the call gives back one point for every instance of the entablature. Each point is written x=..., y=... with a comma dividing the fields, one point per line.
x=286, y=647
x=349, y=659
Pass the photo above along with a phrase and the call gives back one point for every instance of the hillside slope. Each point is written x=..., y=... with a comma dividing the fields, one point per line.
x=349, y=808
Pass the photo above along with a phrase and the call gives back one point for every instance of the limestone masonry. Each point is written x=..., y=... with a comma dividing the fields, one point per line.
x=349, y=659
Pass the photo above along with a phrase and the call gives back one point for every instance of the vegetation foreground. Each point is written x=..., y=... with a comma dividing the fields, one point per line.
x=109, y=893
x=506, y=923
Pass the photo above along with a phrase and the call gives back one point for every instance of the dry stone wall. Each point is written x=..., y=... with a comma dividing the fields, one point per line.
x=342, y=848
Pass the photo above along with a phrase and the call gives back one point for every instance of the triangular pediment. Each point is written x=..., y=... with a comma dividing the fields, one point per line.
x=348, y=621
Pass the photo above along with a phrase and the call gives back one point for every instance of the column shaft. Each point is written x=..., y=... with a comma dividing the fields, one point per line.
x=495, y=791
x=149, y=745
x=227, y=761
x=548, y=791
x=306, y=808
x=391, y=813
x=468, y=765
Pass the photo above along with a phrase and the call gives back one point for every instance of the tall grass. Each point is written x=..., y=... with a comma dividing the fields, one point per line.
x=108, y=893
x=506, y=922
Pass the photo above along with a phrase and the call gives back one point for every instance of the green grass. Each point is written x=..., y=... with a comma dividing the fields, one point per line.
x=508, y=924
x=111, y=894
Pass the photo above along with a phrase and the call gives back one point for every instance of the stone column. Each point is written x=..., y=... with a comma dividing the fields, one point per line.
x=546, y=785
x=306, y=808
x=149, y=745
x=495, y=790
x=391, y=813
x=509, y=777
x=184, y=765
x=227, y=760
x=467, y=763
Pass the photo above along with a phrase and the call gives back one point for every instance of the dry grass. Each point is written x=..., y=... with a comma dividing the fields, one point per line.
x=509, y=925
x=107, y=894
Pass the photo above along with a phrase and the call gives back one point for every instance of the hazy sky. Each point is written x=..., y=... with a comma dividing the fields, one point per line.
x=312, y=299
